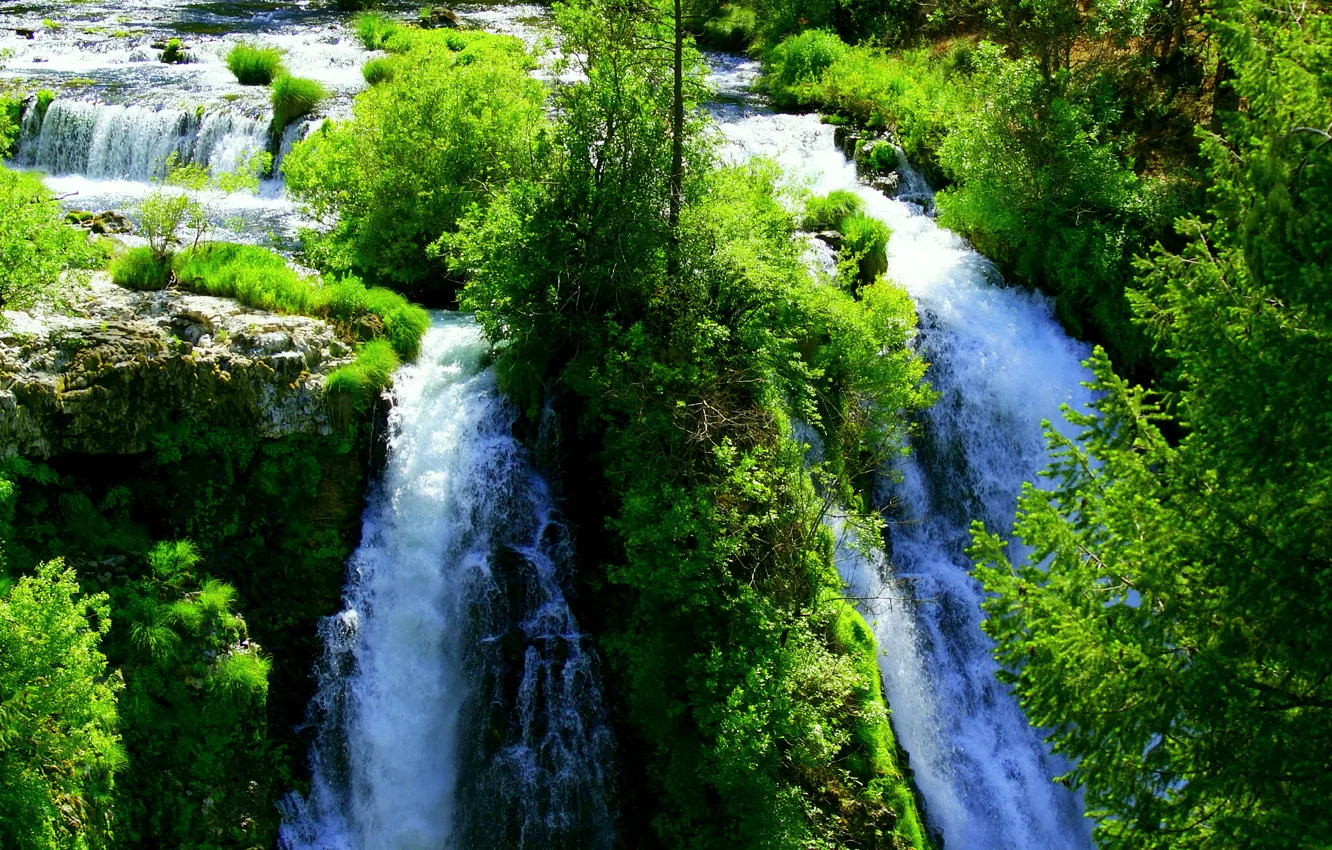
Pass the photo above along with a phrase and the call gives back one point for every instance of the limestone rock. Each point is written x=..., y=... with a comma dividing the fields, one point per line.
x=121, y=365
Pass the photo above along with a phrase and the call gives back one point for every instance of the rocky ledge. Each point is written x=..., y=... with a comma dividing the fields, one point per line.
x=115, y=367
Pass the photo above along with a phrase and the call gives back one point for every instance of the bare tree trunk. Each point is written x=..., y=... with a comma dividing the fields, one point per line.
x=677, y=149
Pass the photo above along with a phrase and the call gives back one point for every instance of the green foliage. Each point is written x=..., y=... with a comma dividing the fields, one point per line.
x=1040, y=190
x=1170, y=622
x=41, y=102
x=716, y=582
x=376, y=31
x=449, y=128
x=877, y=21
x=137, y=268
x=59, y=747
x=730, y=28
x=36, y=246
x=827, y=212
x=257, y=277
x=177, y=206
x=254, y=65
x=206, y=717
x=174, y=53
x=358, y=384
x=293, y=98
x=864, y=242
x=355, y=5
x=795, y=65
x=377, y=71
x=11, y=113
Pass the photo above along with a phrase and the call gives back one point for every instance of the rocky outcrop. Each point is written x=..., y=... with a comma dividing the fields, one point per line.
x=116, y=367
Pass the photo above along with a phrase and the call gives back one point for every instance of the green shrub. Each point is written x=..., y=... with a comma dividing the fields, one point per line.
x=254, y=65
x=174, y=53
x=732, y=29
x=137, y=268
x=796, y=66
x=294, y=97
x=355, y=5
x=827, y=212
x=375, y=30
x=378, y=71
x=865, y=241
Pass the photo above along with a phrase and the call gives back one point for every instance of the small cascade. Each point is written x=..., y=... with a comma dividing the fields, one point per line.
x=459, y=704
x=1002, y=364
x=107, y=141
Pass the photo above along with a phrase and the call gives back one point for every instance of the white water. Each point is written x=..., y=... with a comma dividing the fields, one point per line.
x=457, y=705
x=1002, y=364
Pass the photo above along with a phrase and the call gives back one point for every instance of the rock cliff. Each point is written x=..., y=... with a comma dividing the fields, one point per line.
x=115, y=366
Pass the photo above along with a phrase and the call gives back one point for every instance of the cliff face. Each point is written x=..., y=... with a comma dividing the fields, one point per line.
x=118, y=365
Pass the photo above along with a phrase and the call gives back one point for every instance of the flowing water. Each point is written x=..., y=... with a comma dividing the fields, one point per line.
x=458, y=703
x=1002, y=364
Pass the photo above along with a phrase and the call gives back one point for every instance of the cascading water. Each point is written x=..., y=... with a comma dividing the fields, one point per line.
x=1002, y=364
x=458, y=703
x=107, y=141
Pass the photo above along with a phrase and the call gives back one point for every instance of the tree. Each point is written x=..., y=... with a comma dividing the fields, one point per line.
x=36, y=246
x=1170, y=624
x=59, y=749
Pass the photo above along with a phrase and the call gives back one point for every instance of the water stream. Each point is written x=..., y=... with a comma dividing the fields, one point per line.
x=458, y=703
x=1002, y=364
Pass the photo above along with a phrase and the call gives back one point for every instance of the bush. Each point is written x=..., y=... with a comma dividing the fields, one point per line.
x=174, y=54
x=732, y=29
x=294, y=97
x=378, y=71
x=865, y=242
x=355, y=5
x=254, y=65
x=375, y=30
x=137, y=268
x=828, y=212
x=796, y=66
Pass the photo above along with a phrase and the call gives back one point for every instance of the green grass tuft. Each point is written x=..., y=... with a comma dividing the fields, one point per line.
x=866, y=239
x=138, y=269
x=294, y=97
x=828, y=212
x=254, y=65
x=378, y=71
x=355, y=387
x=375, y=30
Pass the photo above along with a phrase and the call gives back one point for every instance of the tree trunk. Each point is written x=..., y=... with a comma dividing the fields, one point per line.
x=677, y=149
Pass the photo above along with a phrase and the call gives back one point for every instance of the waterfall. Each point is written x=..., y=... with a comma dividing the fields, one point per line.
x=107, y=141
x=1002, y=364
x=458, y=703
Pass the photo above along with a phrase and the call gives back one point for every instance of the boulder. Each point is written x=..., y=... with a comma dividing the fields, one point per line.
x=439, y=17
x=118, y=366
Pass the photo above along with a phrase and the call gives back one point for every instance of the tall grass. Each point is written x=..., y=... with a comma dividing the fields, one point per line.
x=254, y=65
x=865, y=240
x=294, y=97
x=828, y=212
x=375, y=30
x=378, y=71
x=138, y=269
x=259, y=278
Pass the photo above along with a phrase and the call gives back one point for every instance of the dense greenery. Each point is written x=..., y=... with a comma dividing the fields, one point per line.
x=292, y=98
x=36, y=247
x=746, y=690
x=1170, y=622
x=254, y=65
x=162, y=684
x=458, y=117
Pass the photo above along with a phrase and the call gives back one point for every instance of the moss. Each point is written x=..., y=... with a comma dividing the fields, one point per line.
x=874, y=754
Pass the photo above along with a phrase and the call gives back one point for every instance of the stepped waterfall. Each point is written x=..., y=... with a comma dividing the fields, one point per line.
x=1001, y=363
x=458, y=704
